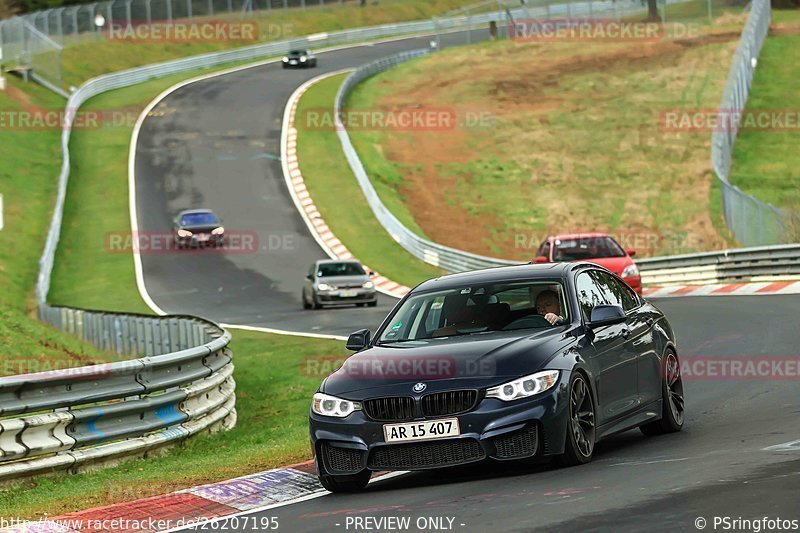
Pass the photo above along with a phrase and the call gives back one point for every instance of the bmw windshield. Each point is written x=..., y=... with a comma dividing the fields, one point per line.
x=477, y=309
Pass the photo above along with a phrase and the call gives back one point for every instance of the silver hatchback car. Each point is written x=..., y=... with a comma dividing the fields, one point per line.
x=332, y=282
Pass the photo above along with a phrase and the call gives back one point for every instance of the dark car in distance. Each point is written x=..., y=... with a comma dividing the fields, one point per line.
x=299, y=59
x=512, y=363
x=198, y=227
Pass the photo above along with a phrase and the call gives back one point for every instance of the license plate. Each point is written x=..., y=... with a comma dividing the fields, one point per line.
x=432, y=429
x=203, y=237
x=348, y=294
x=292, y=62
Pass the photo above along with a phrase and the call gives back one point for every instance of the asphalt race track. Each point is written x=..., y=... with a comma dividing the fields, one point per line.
x=715, y=467
x=215, y=144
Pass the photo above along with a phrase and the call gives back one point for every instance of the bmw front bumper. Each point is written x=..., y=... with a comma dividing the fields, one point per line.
x=494, y=429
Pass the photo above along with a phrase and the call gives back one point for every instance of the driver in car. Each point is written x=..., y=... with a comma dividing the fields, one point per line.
x=549, y=306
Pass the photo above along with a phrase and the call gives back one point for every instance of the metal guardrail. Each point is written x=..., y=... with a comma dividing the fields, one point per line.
x=751, y=221
x=741, y=264
x=62, y=419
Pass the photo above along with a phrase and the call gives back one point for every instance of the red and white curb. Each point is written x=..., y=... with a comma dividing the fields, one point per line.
x=303, y=201
x=195, y=506
x=725, y=289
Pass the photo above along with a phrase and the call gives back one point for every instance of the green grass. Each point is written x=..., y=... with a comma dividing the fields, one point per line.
x=329, y=179
x=272, y=400
x=30, y=164
x=575, y=143
x=94, y=57
x=766, y=163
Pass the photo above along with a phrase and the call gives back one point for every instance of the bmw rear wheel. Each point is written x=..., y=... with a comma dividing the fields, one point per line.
x=672, y=403
x=579, y=445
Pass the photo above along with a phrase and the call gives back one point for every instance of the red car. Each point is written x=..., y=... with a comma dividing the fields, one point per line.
x=595, y=247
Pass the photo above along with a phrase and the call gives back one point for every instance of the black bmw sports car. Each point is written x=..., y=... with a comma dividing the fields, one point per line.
x=507, y=363
x=198, y=227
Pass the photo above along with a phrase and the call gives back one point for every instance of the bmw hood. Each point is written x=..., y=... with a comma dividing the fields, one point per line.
x=472, y=361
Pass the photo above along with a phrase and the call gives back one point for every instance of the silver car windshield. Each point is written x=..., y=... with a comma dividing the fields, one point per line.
x=326, y=270
x=477, y=309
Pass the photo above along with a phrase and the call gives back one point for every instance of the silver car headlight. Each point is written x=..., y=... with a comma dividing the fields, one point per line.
x=524, y=386
x=368, y=285
x=630, y=271
x=324, y=287
x=326, y=405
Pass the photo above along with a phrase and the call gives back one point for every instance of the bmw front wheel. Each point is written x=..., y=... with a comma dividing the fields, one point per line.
x=580, y=439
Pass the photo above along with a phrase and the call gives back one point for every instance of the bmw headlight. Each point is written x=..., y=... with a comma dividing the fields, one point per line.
x=184, y=233
x=218, y=231
x=326, y=405
x=368, y=285
x=303, y=58
x=324, y=287
x=631, y=271
x=285, y=59
x=524, y=386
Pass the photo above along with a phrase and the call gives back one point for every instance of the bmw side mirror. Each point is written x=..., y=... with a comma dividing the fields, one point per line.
x=606, y=315
x=630, y=253
x=358, y=340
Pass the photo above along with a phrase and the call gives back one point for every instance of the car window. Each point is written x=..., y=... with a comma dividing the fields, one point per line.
x=194, y=219
x=574, y=249
x=325, y=270
x=623, y=295
x=589, y=293
x=544, y=250
x=474, y=309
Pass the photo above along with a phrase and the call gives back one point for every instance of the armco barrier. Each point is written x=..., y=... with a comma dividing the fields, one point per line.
x=66, y=418
x=743, y=264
